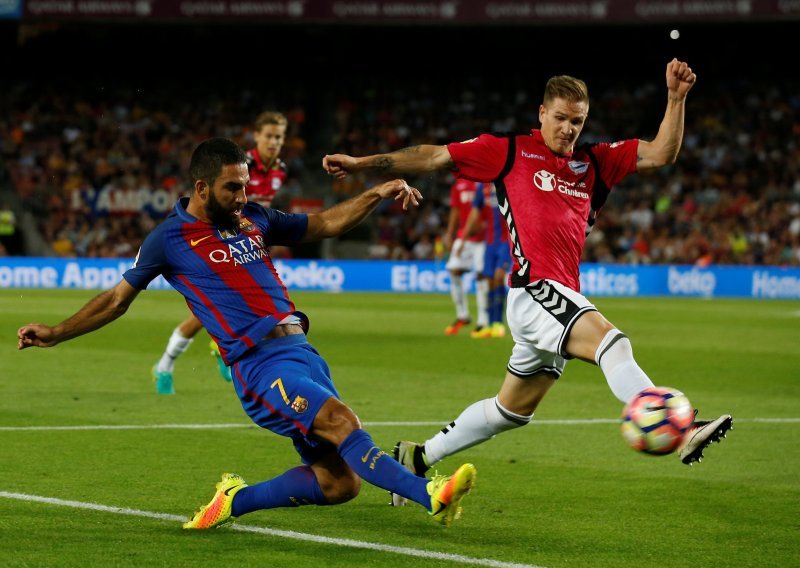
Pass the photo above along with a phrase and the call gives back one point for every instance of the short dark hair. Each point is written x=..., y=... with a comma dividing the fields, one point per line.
x=567, y=88
x=209, y=157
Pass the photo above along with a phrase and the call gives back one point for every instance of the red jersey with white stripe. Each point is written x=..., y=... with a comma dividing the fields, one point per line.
x=264, y=182
x=462, y=192
x=546, y=198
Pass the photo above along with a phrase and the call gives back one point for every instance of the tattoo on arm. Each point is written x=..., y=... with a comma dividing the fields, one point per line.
x=639, y=157
x=384, y=163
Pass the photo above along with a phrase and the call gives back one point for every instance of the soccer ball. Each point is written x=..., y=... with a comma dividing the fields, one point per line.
x=655, y=420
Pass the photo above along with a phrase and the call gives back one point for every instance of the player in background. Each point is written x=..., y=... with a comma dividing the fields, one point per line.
x=549, y=191
x=214, y=249
x=486, y=213
x=466, y=255
x=267, y=174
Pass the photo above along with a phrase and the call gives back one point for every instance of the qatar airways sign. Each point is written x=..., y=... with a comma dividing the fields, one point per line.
x=431, y=11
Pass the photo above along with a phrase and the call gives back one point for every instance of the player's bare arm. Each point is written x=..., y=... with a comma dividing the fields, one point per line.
x=452, y=226
x=471, y=227
x=663, y=149
x=411, y=160
x=100, y=310
x=344, y=216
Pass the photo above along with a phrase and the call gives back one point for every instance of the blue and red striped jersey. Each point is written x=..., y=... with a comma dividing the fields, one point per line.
x=228, y=280
x=493, y=222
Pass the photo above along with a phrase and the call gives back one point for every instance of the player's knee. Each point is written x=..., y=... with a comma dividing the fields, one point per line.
x=343, y=489
x=335, y=422
x=500, y=419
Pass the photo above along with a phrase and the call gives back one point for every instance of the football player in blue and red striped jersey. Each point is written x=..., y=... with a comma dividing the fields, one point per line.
x=213, y=249
x=267, y=175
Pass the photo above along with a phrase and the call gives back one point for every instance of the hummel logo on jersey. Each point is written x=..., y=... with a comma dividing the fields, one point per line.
x=544, y=180
x=195, y=242
x=534, y=156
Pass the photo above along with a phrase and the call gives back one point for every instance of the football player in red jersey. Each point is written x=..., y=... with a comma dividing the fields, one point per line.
x=267, y=175
x=549, y=191
x=466, y=255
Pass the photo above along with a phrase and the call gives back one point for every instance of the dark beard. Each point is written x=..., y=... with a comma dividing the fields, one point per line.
x=220, y=217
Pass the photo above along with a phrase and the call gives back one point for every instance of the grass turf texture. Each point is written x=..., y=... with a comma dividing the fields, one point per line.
x=547, y=495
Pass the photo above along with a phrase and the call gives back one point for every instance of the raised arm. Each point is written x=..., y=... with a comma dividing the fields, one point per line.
x=346, y=215
x=411, y=160
x=663, y=149
x=100, y=310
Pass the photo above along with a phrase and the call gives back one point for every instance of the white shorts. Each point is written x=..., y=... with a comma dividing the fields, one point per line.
x=470, y=259
x=540, y=317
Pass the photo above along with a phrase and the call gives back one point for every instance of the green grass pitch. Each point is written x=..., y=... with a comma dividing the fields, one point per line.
x=555, y=495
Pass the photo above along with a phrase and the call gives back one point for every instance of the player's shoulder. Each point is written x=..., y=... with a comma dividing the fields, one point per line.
x=252, y=208
x=280, y=166
x=171, y=221
x=250, y=158
x=599, y=147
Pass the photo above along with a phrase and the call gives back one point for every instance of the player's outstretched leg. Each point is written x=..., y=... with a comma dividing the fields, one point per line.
x=218, y=511
x=702, y=434
x=224, y=370
x=441, y=496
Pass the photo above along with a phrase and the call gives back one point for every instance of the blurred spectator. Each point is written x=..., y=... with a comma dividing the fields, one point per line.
x=9, y=232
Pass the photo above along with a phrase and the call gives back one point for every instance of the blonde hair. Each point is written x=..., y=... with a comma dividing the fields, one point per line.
x=270, y=117
x=567, y=88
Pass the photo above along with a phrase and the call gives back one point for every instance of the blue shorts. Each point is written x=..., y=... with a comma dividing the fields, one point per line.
x=496, y=256
x=282, y=383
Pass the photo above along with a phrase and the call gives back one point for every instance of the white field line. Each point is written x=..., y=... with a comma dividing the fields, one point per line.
x=416, y=552
x=575, y=422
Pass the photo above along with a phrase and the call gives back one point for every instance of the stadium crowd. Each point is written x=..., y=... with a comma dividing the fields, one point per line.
x=732, y=198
